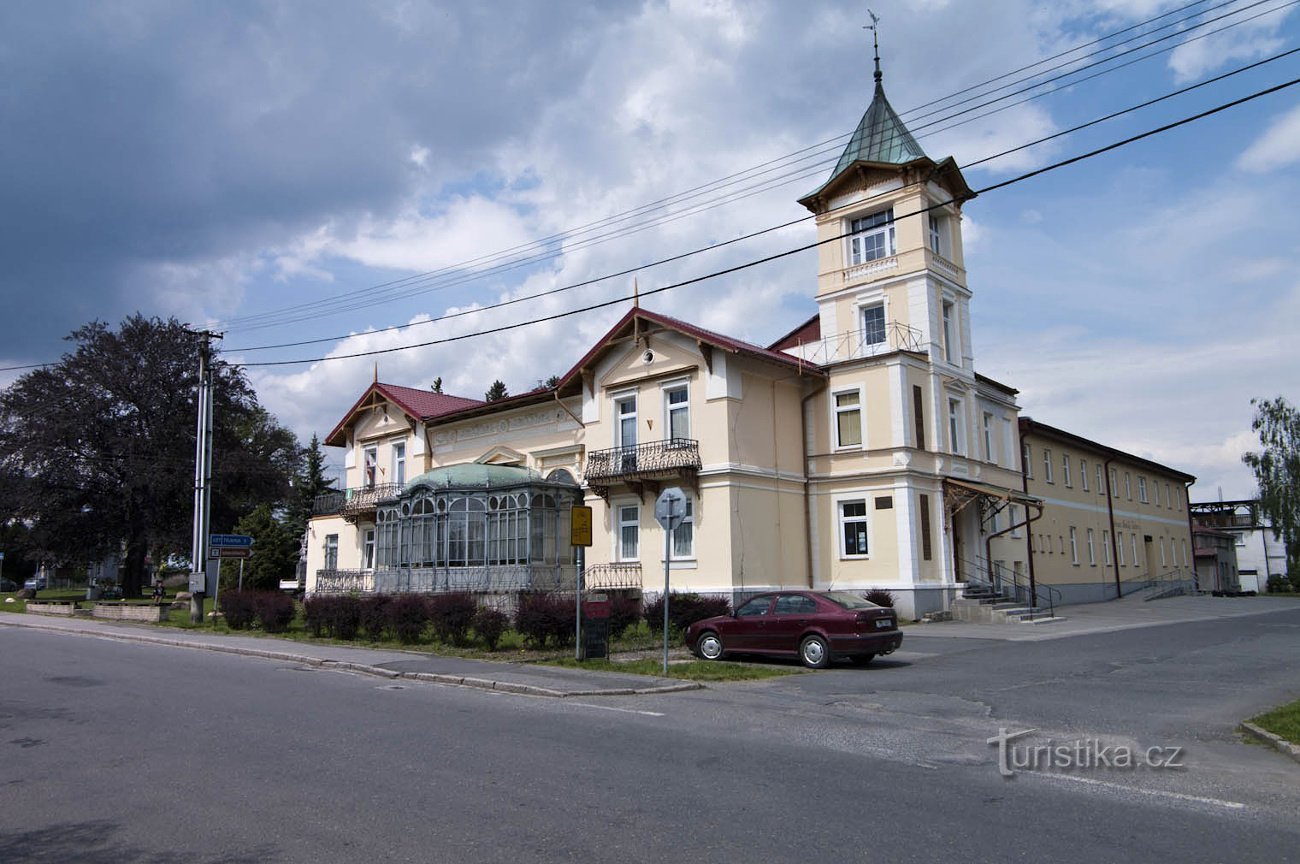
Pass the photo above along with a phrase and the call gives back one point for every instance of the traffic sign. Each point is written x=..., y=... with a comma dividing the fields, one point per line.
x=580, y=526
x=229, y=552
x=670, y=508
x=235, y=541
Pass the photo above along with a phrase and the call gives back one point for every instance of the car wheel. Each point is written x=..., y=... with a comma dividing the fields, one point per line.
x=862, y=659
x=709, y=646
x=814, y=653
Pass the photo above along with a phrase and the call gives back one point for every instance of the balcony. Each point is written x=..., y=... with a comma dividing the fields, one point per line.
x=859, y=344
x=642, y=464
x=354, y=503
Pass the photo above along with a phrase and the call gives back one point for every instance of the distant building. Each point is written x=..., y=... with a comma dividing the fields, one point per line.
x=1261, y=553
x=1216, y=560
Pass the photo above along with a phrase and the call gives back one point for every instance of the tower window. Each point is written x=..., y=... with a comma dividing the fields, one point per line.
x=871, y=237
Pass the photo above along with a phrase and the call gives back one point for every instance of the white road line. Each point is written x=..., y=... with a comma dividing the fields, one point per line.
x=612, y=708
x=1179, y=796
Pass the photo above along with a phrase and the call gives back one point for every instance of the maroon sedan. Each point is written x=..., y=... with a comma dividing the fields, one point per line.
x=815, y=626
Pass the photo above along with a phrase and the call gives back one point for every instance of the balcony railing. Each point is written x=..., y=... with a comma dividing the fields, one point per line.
x=859, y=344
x=350, y=503
x=612, y=577
x=640, y=461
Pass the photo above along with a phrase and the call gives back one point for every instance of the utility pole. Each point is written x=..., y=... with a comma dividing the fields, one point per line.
x=202, y=478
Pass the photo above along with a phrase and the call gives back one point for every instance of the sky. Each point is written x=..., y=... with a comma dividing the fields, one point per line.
x=344, y=175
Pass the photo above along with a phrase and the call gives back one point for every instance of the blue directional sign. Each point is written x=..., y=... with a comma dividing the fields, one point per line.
x=230, y=541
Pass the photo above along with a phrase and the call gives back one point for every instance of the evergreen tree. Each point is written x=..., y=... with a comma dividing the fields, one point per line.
x=275, y=551
x=496, y=392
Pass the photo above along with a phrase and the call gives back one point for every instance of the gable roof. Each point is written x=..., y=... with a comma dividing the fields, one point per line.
x=414, y=402
x=808, y=331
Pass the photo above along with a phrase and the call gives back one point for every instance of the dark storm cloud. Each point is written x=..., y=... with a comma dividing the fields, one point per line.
x=137, y=133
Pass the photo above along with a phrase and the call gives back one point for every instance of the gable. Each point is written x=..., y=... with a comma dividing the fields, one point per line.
x=501, y=455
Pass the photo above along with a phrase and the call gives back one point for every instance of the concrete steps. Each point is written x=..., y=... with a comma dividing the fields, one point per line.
x=982, y=605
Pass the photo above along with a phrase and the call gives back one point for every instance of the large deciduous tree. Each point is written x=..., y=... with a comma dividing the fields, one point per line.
x=1277, y=470
x=99, y=448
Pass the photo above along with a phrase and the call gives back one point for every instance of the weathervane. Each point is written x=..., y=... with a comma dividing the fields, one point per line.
x=875, y=39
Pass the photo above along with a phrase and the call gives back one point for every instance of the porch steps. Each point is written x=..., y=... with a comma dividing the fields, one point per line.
x=982, y=605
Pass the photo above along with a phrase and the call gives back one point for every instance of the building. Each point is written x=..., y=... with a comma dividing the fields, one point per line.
x=1110, y=522
x=1216, y=560
x=1261, y=553
x=861, y=450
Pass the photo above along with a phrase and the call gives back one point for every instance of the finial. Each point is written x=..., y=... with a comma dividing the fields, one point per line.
x=875, y=40
x=376, y=379
x=636, y=294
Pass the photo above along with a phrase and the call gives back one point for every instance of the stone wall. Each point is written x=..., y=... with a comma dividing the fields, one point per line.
x=128, y=612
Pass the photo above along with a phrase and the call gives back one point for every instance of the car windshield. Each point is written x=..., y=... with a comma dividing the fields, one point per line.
x=849, y=601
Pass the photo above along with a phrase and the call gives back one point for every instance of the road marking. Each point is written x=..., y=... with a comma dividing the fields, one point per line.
x=612, y=708
x=1179, y=796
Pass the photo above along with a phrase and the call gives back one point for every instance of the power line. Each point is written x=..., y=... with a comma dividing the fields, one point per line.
x=769, y=258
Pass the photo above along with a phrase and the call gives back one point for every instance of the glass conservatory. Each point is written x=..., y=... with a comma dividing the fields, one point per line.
x=476, y=527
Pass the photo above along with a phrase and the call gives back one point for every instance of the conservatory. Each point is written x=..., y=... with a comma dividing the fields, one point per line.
x=472, y=527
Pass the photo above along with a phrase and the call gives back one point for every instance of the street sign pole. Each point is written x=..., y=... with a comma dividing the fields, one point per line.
x=668, y=539
x=580, y=539
x=670, y=509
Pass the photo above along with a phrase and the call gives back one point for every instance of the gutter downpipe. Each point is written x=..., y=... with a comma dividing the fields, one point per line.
x=1114, y=538
x=1191, y=538
x=1029, y=535
x=807, y=503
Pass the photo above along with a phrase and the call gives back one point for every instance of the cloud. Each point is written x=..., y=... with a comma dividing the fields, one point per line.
x=1278, y=147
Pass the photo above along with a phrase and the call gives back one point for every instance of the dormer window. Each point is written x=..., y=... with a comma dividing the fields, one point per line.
x=871, y=237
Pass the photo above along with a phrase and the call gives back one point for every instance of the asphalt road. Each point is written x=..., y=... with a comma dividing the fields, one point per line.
x=119, y=752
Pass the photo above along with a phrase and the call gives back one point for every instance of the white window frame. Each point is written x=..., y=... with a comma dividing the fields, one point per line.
x=1164, y=562
x=1027, y=459
x=1092, y=548
x=948, y=324
x=1083, y=473
x=1074, y=546
x=622, y=521
x=936, y=233
x=688, y=525
x=1114, y=482
x=1101, y=480
x=1047, y=465
x=399, y=462
x=331, y=552
x=1119, y=547
x=863, y=233
x=369, y=466
x=1065, y=470
x=837, y=410
x=368, y=549
x=871, y=335
x=1014, y=515
x=621, y=399
x=668, y=390
x=843, y=521
x=1128, y=485
x=957, y=426
x=1142, y=490
x=1134, y=538
x=1105, y=547
x=988, y=437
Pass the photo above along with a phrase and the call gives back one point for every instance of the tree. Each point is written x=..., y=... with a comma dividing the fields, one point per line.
x=549, y=384
x=436, y=386
x=275, y=549
x=1277, y=470
x=309, y=482
x=100, y=447
x=496, y=392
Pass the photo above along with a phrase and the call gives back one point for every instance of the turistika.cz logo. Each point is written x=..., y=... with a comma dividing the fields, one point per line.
x=1088, y=754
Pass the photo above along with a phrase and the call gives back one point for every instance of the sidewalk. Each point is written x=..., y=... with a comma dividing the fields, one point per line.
x=526, y=678
x=1127, y=614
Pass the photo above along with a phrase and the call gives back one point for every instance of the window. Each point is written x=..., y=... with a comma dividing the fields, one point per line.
x=926, y=543
x=1027, y=459
x=936, y=235
x=918, y=415
x=683, y=541
x=871, y=237
x=1105, y=546
x=956, y=427
x=1015, y=520
x=677, y=407
x=1128, y=486
x=1134, y=538
x=1083, y=473
x=399, y=464
x=331, y=551
x=1101, y=484
x=756, y=607
x=1065, y=469
x=1047, y=465
x=853, y=528
x=625, y=412
x=794, y=604
x=629, y=532
x=1142, y=489
x=1074, y=546
x=1092, y=549
x=848, y=419
x=1119, y=547
x=1168, y=503
x=1185, y=553
x=1114, y=483
x=988, y=437
x=949, y=333
x=368, y=549
x=1164, y=562
x=873, y=324
x=370, y=466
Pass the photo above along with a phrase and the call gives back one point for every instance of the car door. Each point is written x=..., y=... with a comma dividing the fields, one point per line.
x=744, y=632
x=791, y=615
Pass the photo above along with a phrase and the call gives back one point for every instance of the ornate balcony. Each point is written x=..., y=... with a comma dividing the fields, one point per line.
x=860, y=344
x=612, y=577
x=351, y=504
x=642, y=464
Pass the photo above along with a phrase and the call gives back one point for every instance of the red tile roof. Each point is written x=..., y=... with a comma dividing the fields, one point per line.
x=415, y=402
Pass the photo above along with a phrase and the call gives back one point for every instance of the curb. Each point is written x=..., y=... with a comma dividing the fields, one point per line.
x=1277, y=742
x=366, y=669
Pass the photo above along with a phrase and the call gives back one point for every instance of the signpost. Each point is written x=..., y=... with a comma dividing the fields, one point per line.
x=227, y=546
x=670, y=509
x=580, y=539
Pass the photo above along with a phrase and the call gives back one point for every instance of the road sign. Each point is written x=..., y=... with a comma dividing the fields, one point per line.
x=670, y=508
x=581, y=526
x=234, y=541
x=229, y=552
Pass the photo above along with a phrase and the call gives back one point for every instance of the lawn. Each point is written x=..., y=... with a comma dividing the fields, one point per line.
x=1284, y=721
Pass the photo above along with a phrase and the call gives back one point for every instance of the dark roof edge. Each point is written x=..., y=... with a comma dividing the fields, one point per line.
x=1030, y=425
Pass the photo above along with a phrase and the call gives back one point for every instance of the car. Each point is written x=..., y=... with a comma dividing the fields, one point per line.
x=8, y=586
x=816, y=627
x=36, y=583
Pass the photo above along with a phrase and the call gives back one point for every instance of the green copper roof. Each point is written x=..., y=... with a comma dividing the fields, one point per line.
x=880, y=137
x=470, y=475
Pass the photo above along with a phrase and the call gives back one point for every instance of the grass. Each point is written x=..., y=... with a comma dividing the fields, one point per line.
x=1284, y=721
x=694, y=670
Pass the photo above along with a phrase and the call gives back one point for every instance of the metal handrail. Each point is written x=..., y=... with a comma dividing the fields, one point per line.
x=355, y=499
x=993, y=576
x=652, y=457
x=610, y=577
x=857, y=344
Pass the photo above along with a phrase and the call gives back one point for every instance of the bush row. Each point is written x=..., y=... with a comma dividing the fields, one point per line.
x=271, y=610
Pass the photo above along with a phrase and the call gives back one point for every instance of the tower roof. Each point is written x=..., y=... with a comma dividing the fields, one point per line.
x=880, y=137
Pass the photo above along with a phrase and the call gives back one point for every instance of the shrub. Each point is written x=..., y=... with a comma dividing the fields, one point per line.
x=543, y=617
x=408, y=615
x=314, y=614
x=337, y=617
x=683, y=610
x=880, y=597
x=623, y=613
x=238, y=609
x=489, y=624
x=274, y=610
x=451, y=615
x=374, y=616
